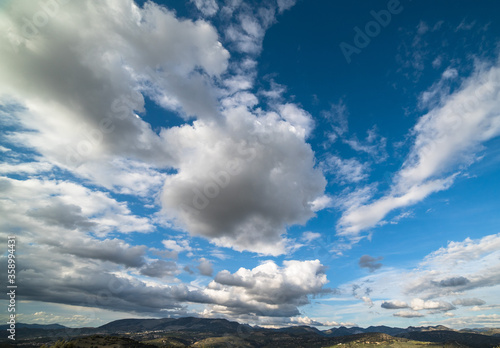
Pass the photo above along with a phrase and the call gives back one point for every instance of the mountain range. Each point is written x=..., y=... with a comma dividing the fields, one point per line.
x=191, y=331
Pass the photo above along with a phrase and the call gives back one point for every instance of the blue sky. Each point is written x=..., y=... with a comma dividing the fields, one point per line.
x=275, y=163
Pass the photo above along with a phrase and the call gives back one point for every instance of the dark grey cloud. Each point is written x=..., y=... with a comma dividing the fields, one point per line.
x=188, y=269
x=65, y=215
x=226, y=278
x=468, y=302
x=205, y=267
x=167, y=254
x=453, y=281
x=98, y=284
x=394, y=305
x=91, y=284
x=355, y=288
x=159, y=269
x=367, y=261
x=112, y=250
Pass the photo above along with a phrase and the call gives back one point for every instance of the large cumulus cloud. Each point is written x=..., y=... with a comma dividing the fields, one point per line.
x=267, y=289
x=243, y=183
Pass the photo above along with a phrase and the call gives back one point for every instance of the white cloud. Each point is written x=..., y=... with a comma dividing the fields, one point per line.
x=177, y=246
x=275, y=92
x=446, y=137
x=239, y=83
x=422, y=28
x=450, y=73
x=321, y=203
x=337, y=118
x=245, y=25
x=207, y=7
x=436, y=63
x=123, y=176
x=461, y=277
x=345, y=170
x=68, y=205
x=475, y=261
x=374, y=144
x=90, y=84
x=284, y=5
x=481, y=308
x=247, y=35
x=240, y=99
x=300, y=120
x=418, y=304
x=394, y=304
x=358, y=218
x=268, y=290
x=465, y=26
x=25, y=167
x=304, y=321
x=354, y=199
x=310, y=236
x=457, y=254
x=468, y=118
x=368, y=301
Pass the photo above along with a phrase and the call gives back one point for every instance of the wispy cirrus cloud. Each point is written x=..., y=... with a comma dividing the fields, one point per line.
x=446, y=139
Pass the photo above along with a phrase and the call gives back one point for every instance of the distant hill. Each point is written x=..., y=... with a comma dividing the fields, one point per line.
x=301, y=330
x=343, y=331
x=393, y=331
x=472, y=340
x=483, y=331
x=385, y=329
x=429, y=328
x=220, y=326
